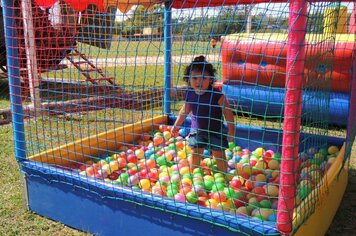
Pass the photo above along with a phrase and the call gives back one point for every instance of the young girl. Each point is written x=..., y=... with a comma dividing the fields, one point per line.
x=207, y=107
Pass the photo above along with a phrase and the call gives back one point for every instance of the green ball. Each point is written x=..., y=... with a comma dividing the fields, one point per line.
x=231, y=146
x=323, y=151
x=161, y=161
x=124, y=178
x=108, y=159
x=303, y=192
x=237, y=149
x=217, y=187
x=209, y=184
x=230, y=193
x=266, y=204
x=192, y=197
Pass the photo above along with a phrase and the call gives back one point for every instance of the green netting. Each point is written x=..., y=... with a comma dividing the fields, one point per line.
x=84, y=76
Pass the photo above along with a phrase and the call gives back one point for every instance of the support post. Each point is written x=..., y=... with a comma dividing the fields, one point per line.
x=13, y=70
x=167, y=57
x=31, y=59
x=292, y=113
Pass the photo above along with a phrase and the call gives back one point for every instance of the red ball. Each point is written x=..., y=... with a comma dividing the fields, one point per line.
x=235, y=184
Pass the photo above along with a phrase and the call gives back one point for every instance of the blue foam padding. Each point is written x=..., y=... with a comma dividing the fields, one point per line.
x=318, y=106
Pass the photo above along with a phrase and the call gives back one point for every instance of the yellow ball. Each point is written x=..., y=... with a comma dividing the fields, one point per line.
x=182, y=154
x=272, y=190
x=145, y=184
x=261, y=177
x=106, y=168
x=242, y=211
x=273, y=164
x=140, y=153
x=167, y=135
x=259, y=151
x=333, y=150
x=261, y=165
x=114, y=165
x=187, y=181
x=265, y=213
x=184, y=170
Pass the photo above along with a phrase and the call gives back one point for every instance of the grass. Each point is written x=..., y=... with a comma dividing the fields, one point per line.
x=126, y=48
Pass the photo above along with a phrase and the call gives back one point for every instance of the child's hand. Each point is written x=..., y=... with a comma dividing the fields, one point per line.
x=174, y=130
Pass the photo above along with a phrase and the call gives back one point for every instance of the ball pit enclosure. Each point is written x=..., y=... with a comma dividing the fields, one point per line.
x=131, y=208
x=282, y=176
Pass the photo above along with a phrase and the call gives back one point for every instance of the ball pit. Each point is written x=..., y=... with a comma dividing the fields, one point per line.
x=162, y=168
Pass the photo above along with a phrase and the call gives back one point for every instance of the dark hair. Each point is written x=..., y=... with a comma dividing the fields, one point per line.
x=199, y=64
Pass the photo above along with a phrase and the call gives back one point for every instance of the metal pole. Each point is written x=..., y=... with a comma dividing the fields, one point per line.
x=13, y=70
x=167, y=29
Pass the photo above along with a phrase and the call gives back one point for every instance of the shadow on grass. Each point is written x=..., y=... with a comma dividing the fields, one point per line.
x=344, y=222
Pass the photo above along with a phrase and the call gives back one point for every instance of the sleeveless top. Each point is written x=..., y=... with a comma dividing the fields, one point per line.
x=207, y=114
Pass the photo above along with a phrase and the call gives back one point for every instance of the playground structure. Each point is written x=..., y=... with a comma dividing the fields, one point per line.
x=264, y=78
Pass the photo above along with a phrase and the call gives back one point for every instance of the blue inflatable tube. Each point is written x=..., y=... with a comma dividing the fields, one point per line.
x=318, y=106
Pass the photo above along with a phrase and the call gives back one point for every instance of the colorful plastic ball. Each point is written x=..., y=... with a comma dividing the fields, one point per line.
x=219, y=196
x=140, y=153
x=273, y=164
x=183, y=132
x=192, y=197
x=266, y=204
x=133, y=180
x=124, y=177
x=261, y=178
x=217, y=187
x=180, y=197
x=272, y=190
x=259, y=151
x=303, y=192
x=312, y=151
x=333, y=150
x=231, y=146
x=277, y=156
x=158, y=140
x=237, y=159
x=272, y=217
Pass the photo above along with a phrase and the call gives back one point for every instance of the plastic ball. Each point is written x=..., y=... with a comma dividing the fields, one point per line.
x=140, y=153
x=183, y=132
x=272, y=190
x=333, y=150
x=259, y=151
x=273, y=164
x=192, y=197
x=180, y=197
x=167, y=135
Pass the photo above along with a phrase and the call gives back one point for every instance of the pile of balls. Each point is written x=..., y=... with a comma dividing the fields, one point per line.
x=159, y=164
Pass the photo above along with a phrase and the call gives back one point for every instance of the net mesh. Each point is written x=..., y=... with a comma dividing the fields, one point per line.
x=92, y=86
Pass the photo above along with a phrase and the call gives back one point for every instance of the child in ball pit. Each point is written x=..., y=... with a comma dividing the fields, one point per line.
x=208, y=107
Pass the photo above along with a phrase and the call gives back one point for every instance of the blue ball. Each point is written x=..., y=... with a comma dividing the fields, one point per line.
x=183, y=132
x=237, y=159
x=272, y=217
x=148, y=153
x=206, y=152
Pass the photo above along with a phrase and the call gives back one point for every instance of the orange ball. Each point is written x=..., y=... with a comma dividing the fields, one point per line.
x=158, y=140
x=150, y=163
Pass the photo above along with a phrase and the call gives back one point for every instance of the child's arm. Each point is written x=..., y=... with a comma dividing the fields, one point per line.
x=184, y=111
x=229, y=117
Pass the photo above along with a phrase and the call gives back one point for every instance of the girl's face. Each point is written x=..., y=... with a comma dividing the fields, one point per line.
x=200, y=81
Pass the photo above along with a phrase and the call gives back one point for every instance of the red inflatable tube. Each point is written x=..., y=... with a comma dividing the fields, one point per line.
x=264, y=63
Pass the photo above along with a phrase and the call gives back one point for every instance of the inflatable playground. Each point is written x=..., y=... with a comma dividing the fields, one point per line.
x=106, y=161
